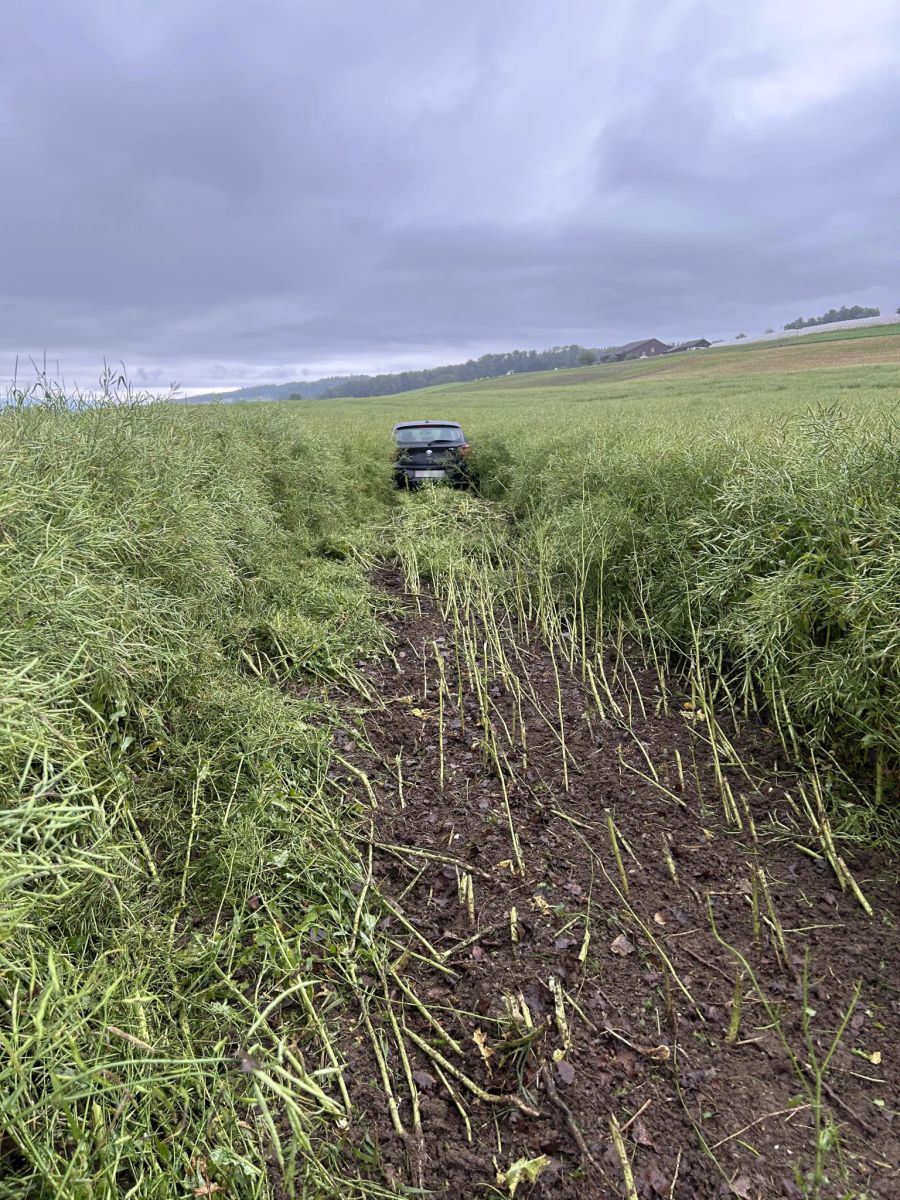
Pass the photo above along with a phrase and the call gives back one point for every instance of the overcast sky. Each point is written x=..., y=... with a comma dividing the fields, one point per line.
x=223, y=192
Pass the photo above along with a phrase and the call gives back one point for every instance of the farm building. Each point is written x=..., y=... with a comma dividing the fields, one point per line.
x=646, y=348
x=696, y=344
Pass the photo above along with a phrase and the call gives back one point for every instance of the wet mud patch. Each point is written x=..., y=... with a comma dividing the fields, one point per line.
x=624, y=966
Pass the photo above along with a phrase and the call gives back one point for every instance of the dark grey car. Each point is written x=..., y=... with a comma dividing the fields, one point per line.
x=430, y=450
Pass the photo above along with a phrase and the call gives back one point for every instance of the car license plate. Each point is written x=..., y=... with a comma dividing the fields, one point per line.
x=430, y=474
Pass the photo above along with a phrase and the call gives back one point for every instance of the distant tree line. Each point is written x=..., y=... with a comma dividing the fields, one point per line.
x=298, y=390
x=489, y=366
x=855, y=313
x=308, y=390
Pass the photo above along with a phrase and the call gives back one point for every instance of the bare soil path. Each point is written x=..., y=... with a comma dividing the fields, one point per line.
x=619, y=941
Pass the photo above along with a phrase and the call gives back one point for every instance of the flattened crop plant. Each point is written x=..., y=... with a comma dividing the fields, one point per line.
x=533, y=840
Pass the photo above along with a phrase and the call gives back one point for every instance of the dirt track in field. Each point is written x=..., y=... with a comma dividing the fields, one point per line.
x=594, y=999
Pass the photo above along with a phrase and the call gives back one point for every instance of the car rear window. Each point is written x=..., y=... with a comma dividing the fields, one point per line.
x=421, y=435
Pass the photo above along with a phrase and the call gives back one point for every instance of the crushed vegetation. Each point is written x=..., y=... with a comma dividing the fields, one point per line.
x=539, y=843
x=640, y=964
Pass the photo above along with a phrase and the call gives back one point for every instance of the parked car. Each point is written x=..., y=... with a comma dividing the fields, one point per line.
x=430, y=450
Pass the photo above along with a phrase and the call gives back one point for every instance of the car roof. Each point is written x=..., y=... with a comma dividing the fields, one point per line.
x=413, y=424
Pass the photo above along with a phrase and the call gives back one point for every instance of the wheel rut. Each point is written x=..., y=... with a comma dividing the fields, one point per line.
x=619, y=968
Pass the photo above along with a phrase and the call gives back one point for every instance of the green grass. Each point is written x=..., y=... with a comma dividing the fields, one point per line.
x=747, y=523
x=183, y=588
x=855, y=354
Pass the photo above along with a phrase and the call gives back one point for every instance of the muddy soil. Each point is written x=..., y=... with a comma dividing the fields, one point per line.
x=595, y=992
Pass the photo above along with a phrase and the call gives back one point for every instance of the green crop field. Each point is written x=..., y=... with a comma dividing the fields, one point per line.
x=539, y=839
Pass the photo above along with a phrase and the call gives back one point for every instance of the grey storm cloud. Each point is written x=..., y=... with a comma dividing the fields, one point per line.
x=220, y=191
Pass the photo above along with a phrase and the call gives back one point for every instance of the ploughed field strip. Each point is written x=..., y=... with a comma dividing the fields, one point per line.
x=630, y=959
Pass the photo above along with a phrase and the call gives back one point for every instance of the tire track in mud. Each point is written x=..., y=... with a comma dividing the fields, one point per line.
x=646, y=1053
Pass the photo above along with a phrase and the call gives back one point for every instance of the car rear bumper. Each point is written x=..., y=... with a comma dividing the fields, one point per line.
x=412, y=475
x=407, y=475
